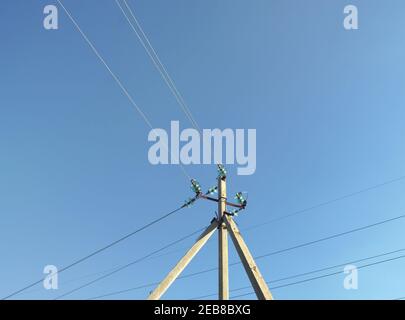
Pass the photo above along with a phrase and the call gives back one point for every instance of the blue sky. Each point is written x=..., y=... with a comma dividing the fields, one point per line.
x=327, y=104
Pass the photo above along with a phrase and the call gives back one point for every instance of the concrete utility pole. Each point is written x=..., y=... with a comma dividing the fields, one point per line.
x=224, y=223
x=222, y=242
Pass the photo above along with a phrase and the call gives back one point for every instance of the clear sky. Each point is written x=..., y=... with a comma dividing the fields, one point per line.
x=327, y=104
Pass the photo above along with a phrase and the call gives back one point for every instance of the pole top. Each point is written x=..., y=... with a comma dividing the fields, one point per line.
x=221, y=172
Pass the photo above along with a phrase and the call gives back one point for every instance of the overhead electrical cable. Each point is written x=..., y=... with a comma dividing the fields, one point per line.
x=276, y=252
x=143, y=38
x=325, y=203
x=322, y=276
x=131, y=263
x=299, y=275
x=117, y=80
x=99, y=250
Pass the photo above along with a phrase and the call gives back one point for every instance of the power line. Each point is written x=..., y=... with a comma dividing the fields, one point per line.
x=325, y=203
x=124, y=291
x=323, y=276
x=117, y=80
x=332, y=236
x=99, y=250
x=93, y=274
x=248, y=229
x=261, y=256
x=157, y=62
x=301, y=211
x=309, y=272
x=304, y=244
x=103, y=61
x=130, y=263
x=177, y=94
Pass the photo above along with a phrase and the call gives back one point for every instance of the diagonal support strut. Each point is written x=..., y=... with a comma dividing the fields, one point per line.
x=259, y=285
x=182, y=264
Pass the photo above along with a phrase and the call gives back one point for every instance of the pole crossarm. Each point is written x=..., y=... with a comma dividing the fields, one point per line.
x=182, y=264
x=226, y=202
x=258, y=283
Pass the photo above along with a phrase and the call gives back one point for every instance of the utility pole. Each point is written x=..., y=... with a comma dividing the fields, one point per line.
x=223, y=275
x=224, y=223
